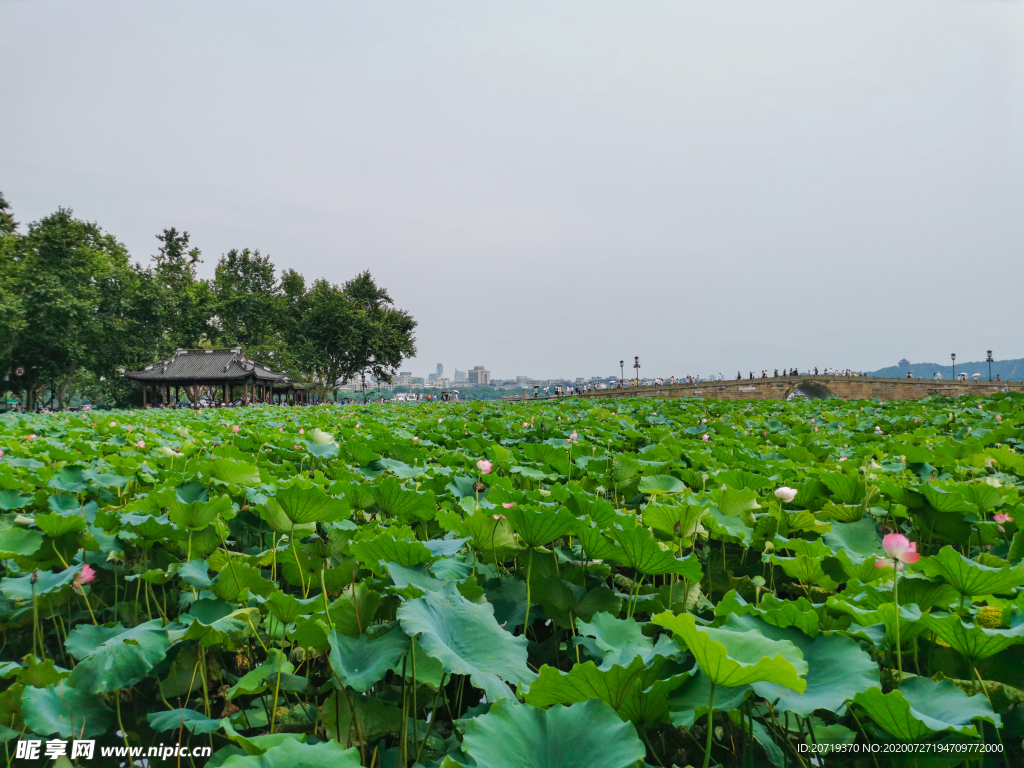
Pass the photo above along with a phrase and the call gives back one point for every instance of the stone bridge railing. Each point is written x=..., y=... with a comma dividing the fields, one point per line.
x=843, y=387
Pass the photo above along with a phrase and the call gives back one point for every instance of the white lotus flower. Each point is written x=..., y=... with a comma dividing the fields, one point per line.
x=785, y=494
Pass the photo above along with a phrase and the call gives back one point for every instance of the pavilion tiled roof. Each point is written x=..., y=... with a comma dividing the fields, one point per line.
x=208, y=365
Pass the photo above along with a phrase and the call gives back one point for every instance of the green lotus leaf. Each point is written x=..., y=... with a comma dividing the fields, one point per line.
x=12, y=500
x=19, y=542
x=921, y=707
x=355, y=610
x=491, y=535
x=738, y=658
x=239, y=576
x=969, y=640
x=679, y=520
x=870, y=614
x=736, y=503
x=192, y=721
x=386, y=548
x=467, y=640
x=273, y=515
x=286, y=608
x=641, y=551
x=845, y=489
x=112, y=658
x=538, y=527
x=972, y=578
x=213, y=621
x=945, y=501
x=658, y=484
x=587, y=734
x=634, y=692
x=778, y=613
x=235, y=472
x=55, y=524
x=256, y=680
x=620, y=641
x=19, y=588
x=982, y=495
x=310, y=505
x=359, y=662
x=196, y=515
x=72, y=479
x=291, y=753
x=394, y=499
x=65, y=711
x=320, y=450
x=690, y=701
x=597, y=546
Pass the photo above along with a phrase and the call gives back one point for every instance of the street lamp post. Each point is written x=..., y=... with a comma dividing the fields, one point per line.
x=636, y=364
x=953, y=358
x=622, y=372
x=988, y=359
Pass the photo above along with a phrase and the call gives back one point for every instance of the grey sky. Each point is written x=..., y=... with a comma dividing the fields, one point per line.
x=550, y=187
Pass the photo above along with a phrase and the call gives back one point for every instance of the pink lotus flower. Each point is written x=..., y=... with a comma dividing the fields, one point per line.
x=235, y=429
x=499, y=517
x=131, y=413
x=999, y=417
x=302, y=431
x=113, y=423
x=785, y=494
x=84, y=576
x=296, y=448
x=508, y=505
x=484, y=466
x=33, y=436
x=842, y=458
x=898, y=550
x=280, y=429
x=812, y=421
x=526, y=424
x=141, y=444
x=573, y=436
x=815, y=429
x=129, y=427
x=705, y=437
x=703, y=421
x=1001, y=517
x=415, y=439
x=1, y=453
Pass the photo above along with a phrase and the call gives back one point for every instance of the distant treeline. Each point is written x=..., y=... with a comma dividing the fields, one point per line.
x=76, y=311
x=1008, y=370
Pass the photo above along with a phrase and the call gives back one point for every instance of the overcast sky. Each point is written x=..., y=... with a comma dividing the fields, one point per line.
x=552, y=187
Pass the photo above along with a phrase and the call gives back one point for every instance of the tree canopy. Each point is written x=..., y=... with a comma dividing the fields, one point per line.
x=76, y=310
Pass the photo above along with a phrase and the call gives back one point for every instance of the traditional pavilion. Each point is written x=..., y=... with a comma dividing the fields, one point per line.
x=211, y=373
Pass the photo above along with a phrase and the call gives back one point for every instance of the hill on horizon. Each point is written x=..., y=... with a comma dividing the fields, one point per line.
x=1008, y=370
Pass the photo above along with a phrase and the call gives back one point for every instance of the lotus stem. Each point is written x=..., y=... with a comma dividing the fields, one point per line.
x=896, y=605
x=711, y=729
x=430, y=724
x=529, y=568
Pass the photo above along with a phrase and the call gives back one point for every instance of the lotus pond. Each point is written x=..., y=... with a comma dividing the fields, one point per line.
x=578, y=583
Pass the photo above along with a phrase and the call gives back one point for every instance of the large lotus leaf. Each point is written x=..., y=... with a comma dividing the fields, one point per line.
x=870, y=614
x=19, y=542
x=19, y=588
x=845, y=489
x=922, y=706
x=587, y=734
x=971, y=578
x=467, y=640
x=490, y=536
x=690, y=701
x=235, y=472
x=377, y=719
x=273, y=515
x=597, y=546
x=394, y=499
x=237, y=577
x=736, y=503
x=537, y=527
x=969, y=640
x=658, y=484
x=914, y=589
x=191, y=491
x=66, y=711
x=729, y=528
x=984, y=496
x=310, y=505
x=192, y=721
x=213, y=621
x=858, y=539
x=779, y=613
x=55, y=524
x=355, y=610
x=292, y=753
x=945, y=501
x=72, y=479
x=359, y=662
x=256, y=680
x=286, y=608
x=644, y=553
x=12, y=500
x=624, y=689
x=583, y=504
x=386, y=548
x=678, y=520
x=328, y=451
x=807, y=566
x=619, y=641
x=837, y=669
x=738, y=658
x=197, y=515
x=112, y=658
x=843, y=513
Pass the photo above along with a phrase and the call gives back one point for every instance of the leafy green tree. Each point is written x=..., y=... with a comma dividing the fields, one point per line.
x=77, y=287
x=184, y=302
x=379, y=335
x=12, y=310
x=247, y=299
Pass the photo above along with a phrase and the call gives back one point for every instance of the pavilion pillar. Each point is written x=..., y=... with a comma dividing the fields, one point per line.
x=226, y=398
x=143, y=395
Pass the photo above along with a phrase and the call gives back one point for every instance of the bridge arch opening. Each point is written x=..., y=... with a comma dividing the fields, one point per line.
x=810, y=390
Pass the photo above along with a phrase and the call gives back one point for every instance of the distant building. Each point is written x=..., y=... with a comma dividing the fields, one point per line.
x=524, y=380
x=440, y=370
x=904, y=363
x=479, y=375
x=460, y=376
x=404, y=379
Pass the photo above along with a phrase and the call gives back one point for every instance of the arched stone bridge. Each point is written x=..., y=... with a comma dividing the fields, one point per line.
x=842, y=387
